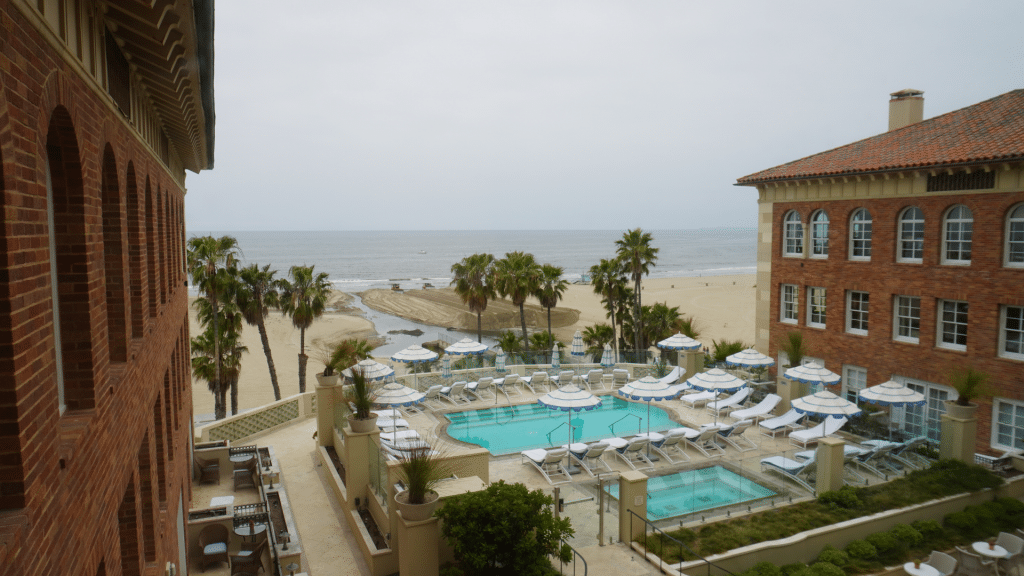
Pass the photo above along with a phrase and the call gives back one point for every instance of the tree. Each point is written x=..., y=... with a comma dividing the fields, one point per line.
x=688, y=326
x=551, y=289
x=304, y=298
x=510, y=343
x=516, y=277
x=504, y=529
x=659, y=322
x=544, y=341
x=257, y=294
x=211, y=263
x=607, y=280
x=596, y=336
x=229, y=347
x=638, y=257
x=474, y=283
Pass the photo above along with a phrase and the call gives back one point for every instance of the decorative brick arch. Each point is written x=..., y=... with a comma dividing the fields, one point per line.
x=151, y=256
x=136, y=251
x=114, y=258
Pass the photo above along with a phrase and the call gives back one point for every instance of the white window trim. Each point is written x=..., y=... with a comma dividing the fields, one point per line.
x=785, y=236
x=896, y=320
x=994, y=428
x=847, y=368
x=939, y=325
x=899, y=239
x=782, y=304
x=870, y=237
x=945, y=223
x=1002, y=353
x=1006, y=239
x=811, y=226
x=849, y=313
x=810, y=303
x=928, y=386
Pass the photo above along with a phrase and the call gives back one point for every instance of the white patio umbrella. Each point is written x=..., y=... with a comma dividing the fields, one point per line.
x=446, y=367
x=414, y=354
x=576, y=349
x=716, y=380
x=749, y=358
x=814, y=374
x=371, y=369
x=825, y=404
x=499, y=361
x=892, y=394
x=569, y=399
x=466, y=347
x=556, y=357
x=648, y=388
x=607, y=359
x=394, y=394
x=679, y=342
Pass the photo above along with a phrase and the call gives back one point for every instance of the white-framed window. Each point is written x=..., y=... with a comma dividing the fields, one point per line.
x=911, y=247
x=857, y=304
x=790, y=298
x=1015, y=238
x=855, y=379
x=816, y=306
x=924, y=420
x=819, y=234
x=1011, y=332
x=1008, y=424
x=907, y=319
x=952, y=324
x=793, y=235
x=860, y=235
x=958, y=230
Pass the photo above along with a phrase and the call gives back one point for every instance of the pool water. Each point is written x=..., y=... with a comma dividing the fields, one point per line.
x=506, y=430
x=695, y=490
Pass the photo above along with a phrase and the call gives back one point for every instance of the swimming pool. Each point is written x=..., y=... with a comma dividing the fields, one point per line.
x=506, y=430
x=695, y=490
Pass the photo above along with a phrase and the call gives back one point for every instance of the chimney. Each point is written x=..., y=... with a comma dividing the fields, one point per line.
x=906, y=107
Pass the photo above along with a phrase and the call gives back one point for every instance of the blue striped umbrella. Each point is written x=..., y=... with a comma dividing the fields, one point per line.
x=569, y=399
x=577, y=348
x=749, y=358
x=556, y=357
x=892, y=394
x=415, y=354
x=371, y=369
x=679, y=342
x=825, y=403
x=446, y=366
x=716, y=380
x=812, y=373
x=395, y=394
x=607, y=358
x=499, y=361
x=648, y=388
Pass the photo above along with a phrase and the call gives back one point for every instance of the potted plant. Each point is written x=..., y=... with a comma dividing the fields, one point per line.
x=794, y=347
x=969, y=383
x=360, y=395
x=324, y=352
x=421, y=469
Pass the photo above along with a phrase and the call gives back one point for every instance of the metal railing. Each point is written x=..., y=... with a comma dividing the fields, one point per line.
x=650, y=527
x=575, y=555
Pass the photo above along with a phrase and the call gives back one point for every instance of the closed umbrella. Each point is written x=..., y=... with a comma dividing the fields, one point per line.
x=648, y=388
x=576, y=349
x=446, y=367
x=825, y=404
x=415, y=354
x=569, y=399
x=607, y=358
x=556, y=358
x=499, y=361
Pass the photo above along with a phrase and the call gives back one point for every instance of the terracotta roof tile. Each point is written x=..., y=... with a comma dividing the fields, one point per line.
x=989, y=131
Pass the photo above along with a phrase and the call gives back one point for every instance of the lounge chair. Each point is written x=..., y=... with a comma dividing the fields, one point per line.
x=969, y=563
x=785, y=423
x=758, y=412
x=389, y=423
x=397, y=436
x=704, y=442
x=673, y=376
x=432, y=397
x=632, y=451
x=698, y=399
x=402, y=450
x=594, y=379
x=249, y=561
x=485, y=384
x=549, y=463
x=671, y=444
x=621, y=377
x=734, y=437
x=454, y=394
x=907, y=454
x=537, y=380
x=720, y=407
x=208, y=470
x=800, y=472
x=509, y=385
x=590, y=457
x=874, y=460
x=829, y=427
x=213, y=541
x=565, y=378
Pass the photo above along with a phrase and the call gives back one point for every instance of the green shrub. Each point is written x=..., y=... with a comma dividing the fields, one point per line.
x=1013, y=511
x=928, y=528
x=906, y=534
x=861, y=550
x=826, y=569
x=845, y=498
x=765, y=569
x=796, y=569
x=834, y=556
x=960, y=522
x=884, y=542
x=985, y=520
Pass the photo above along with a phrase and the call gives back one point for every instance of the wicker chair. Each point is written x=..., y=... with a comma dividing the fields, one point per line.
x=246, y=478
x=213, y=541
x=208, y=470
x=249, y=561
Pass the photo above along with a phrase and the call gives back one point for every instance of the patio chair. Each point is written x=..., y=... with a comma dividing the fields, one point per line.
x=873, y=459
x=698, y=399
x=510, y=385
x=594, y=378
x=758, y=412
x=565, y=378
x=208, y=470
x=673, y=376
x=249, y=561
x=800, y=472
x=1014, y=551
x=391, y=423
x=247, y=477
x=213, y=541
x=397, y=436
x=720, y=407
x=812, y=435
x=621, y=377
x=548, y=463
x=968, y=563
x=907, y=454
x=704, y=442
x=733, y=436
x=539, y=379
x=632, y=451
x=454, y=394
x=590, y=457
x=404, y=448
x=786, y=422
x=671, y=444
x=485, y=384
x=432, y=397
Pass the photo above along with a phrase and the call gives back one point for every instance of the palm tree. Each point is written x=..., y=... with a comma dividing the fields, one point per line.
x=606, y=278
x=304, y=298
x=688, y=326
x=211, y=264
x=257, y=294
x=552, y=288
x=596, y=336
x=517, y=276
x=228, y=344
x=660, y=322
x=638, y=256
x=204, y=367
x=474, y=284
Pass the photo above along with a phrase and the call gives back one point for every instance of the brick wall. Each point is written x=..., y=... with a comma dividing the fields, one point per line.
x=985, y=284
x=90, y=490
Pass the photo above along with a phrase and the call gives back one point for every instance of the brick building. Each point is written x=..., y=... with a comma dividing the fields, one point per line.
x=103, y=106
x=902, y=255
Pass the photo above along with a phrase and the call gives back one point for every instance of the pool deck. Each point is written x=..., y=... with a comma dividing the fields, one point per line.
x=330, y=547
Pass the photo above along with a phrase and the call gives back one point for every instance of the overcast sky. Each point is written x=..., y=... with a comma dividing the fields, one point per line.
x=563, y=114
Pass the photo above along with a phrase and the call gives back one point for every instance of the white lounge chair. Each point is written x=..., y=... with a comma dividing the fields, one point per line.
x=385, y=423
x=673, y=376
x=758, y=412
x=454, y=394
x=595, y=379
x=396, y=437
x=621, y=377
x=548, y=463
x=432, y=397
x=565, y=378
x=509, y=385
x=720, y=407
x=705, y=443
x=537, y=380
x=632, y=451
x=590, y=457
x=785, y=423
x=698, y=399
x=827, y=428
x=800, y=472
x=671, y=444
x=478, y=388
x=734, y=437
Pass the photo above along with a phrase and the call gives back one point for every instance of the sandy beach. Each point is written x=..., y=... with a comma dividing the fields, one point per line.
x=723, y=306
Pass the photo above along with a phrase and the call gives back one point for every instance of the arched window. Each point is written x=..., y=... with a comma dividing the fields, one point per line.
x=860, y=235
x=113, y=260
x=911, y=247
x=793, y=235
x=1015, y=237
x=136, y=251
x=958, y=228
x=819, y=234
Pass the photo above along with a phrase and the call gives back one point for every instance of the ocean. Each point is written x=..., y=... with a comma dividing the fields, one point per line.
x=358, y=261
